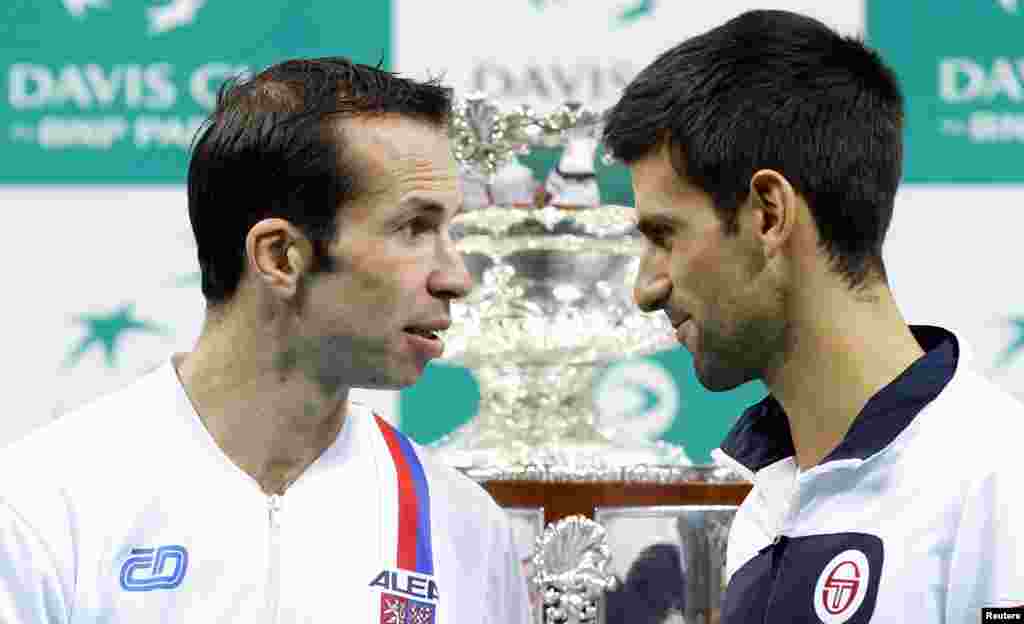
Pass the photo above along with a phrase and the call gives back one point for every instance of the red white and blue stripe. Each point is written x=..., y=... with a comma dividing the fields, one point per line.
x=414, y=549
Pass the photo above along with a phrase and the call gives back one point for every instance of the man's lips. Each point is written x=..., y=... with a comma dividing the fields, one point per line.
x=423, y=337
x=429, y=329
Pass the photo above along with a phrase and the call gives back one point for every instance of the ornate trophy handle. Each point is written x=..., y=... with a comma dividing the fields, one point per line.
x=570, y=560
x=484, y=137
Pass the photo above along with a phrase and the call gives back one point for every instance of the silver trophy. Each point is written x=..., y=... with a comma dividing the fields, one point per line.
x=490, y=140
x=552, y=306
x=573, y=182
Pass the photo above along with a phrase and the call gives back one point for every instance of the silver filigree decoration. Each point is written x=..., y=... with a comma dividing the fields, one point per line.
x=603, y=222
x=552, y=306
x=570, y=564
x=484, y=137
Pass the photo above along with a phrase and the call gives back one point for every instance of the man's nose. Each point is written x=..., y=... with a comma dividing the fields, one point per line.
x=652, y=286
x=452, y=280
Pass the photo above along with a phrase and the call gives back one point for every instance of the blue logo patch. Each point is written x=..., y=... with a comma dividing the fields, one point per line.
x=148, y=569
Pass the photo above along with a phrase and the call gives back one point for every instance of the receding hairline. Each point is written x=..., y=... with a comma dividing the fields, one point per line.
x=357, y=132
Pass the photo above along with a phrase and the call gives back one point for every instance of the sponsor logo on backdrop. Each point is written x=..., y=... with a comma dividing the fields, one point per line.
x=636, y=400
x=596, y=80
x=991, y=125
x=168, y=17
x=160, y=18
x=1016, y=346
x=108, y=331
x=93, y=92
x=636, y=11
x=586, y=80
x=963, y=78
x=975, y=81
x=624, y=16
x=113, y=91
x=99, y=106
x=124, y=338
x=982, y=81
x=78, y=8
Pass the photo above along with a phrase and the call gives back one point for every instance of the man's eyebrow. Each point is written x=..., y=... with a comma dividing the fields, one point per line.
x=650, y=224
x=426, y=204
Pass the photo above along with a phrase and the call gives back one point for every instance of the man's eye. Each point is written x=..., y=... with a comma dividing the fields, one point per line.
x=658, y=236
x=418, y=226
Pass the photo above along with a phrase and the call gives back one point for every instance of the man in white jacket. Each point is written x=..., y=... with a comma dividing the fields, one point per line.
x=765, y=156
x=238, y=482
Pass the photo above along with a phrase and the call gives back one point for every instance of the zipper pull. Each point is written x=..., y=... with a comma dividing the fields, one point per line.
x=274, y=510
x=773, y=544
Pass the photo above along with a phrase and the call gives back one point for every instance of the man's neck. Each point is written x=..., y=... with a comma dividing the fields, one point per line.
x=272, y=426
x=842, y=352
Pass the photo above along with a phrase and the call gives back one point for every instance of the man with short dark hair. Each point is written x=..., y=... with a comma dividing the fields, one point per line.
x=765, y=156
x=239, y=483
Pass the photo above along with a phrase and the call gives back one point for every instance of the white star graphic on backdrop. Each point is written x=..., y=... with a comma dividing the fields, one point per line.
x=169, y=16
x=79, y=7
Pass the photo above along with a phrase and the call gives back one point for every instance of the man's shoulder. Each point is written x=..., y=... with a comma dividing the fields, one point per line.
x=463, y=492
x=84, y=445
x=970, y=386
x=86, y=429
x=464, y=489
x=978, y=421
x=460, y=495
x=463, y=504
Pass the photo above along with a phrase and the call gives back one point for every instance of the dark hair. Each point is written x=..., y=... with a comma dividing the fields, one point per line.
x=273, y=148
x=776, y=90
x=655, y=585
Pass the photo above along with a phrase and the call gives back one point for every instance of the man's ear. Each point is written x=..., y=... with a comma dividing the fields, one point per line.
x=775, y=207
x=279, y=256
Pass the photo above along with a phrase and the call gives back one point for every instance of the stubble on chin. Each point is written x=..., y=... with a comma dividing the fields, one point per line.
x=728, y=359
x=329, y=362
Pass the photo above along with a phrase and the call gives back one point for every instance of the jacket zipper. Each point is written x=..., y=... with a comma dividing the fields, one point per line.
x=777, y=549
x=274, y=572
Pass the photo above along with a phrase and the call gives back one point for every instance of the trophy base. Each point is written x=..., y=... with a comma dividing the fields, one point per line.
x=486, y=453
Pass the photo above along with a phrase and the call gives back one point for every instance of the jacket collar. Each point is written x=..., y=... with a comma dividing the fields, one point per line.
x=762, y=436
